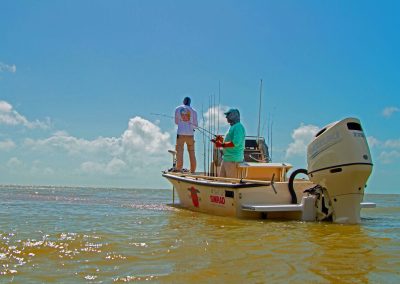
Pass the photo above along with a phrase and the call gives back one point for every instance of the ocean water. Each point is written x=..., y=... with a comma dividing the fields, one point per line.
x=110, y=235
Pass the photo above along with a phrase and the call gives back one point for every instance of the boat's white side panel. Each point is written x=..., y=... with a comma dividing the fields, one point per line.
x=267, y=195
x=203, y=198
x=213, y=198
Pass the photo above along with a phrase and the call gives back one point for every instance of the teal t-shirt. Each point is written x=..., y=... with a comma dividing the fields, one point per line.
x=236, y=135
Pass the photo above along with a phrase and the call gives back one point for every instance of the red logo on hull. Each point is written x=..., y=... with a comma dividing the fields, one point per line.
x=195, y=197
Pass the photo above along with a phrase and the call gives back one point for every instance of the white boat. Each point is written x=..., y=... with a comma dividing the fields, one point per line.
x=339, y=165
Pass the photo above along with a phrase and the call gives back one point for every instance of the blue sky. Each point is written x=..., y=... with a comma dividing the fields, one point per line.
x=80, y=82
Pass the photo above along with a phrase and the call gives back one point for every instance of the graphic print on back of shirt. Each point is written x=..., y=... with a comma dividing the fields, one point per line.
x=185, y=114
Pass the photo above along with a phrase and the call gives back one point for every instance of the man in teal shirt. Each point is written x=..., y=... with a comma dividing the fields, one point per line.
x=233, y=147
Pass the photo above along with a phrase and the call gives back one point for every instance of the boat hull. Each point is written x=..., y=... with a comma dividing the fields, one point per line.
x=229, y=199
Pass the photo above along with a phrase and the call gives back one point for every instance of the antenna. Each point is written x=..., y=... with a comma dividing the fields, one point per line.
x=259, y=114
x=272, y=123
x=210, y=122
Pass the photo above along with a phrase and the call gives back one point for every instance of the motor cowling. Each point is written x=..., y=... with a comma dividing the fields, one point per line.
x=340, y=162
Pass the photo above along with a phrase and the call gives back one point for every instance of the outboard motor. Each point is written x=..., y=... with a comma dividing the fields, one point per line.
x=339, y=161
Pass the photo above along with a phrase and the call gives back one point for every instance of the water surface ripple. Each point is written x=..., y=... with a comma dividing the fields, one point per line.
x=107, y=235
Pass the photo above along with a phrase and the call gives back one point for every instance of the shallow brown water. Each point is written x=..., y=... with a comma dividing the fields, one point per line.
x=92, y=235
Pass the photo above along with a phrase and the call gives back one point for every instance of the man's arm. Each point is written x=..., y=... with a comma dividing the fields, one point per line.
x=176, y=115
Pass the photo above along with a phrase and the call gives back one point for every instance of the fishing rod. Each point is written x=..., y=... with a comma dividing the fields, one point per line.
x=204, y=144
x=198, y=127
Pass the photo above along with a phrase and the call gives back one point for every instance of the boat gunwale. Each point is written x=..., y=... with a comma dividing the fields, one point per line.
x=203, y=181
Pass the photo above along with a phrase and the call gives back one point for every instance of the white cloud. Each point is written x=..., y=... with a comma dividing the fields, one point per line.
x=38, y=168
x=113, y=167
x=372, y=141
x=62, y=141
x=92, y=167
x=302, y=136
x=48, y=171
x=7, y=145
x=389, y=157
x=8, y=116
x=215, y=117
x=389, y=149
x=392, y=144
x=14, y=163
x=32, y=168
x=141, y=145
x=7, y=68
x=142, y=135
x=388, y=144
x=389, y=111
x=5, y=107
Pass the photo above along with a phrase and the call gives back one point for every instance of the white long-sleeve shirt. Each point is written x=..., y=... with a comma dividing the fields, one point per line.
x=186, y=119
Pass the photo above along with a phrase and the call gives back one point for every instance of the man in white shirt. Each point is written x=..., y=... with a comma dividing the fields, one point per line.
x=186, y=119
